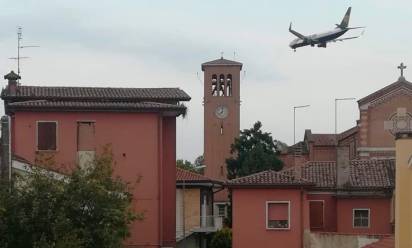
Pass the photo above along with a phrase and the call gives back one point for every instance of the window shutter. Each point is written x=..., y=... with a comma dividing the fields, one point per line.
x=46, y=136
x=85, y=136
x=278, y=211
x=316, y=214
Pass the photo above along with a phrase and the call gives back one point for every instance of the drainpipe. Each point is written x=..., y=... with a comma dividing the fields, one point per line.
x=160, y=176
x=302, y=228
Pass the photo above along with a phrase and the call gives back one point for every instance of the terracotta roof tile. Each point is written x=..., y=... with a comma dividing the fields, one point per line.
x=321, y=139
x=319, y=172
x=363, y=174
x=221, y=61
x=268, y=178
x=93, y=93
x=348, y=133
x=386, y=242
x=95, y=106
x=189, y=176
x=372, y=173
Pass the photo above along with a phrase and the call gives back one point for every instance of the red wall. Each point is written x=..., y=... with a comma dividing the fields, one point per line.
x=249, y=218
x=379, y=215
x=329, y=220
x=144, y=147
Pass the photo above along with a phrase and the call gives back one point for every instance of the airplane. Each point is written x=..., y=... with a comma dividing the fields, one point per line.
x=323, y=38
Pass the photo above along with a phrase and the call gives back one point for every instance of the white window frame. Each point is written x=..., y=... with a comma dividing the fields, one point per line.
x=353, y=217
x=267, y=211
x=37, y=136
x=323, y=212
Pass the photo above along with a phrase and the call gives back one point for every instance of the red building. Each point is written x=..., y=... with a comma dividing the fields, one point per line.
x=336, y=189
x=71, y=124
x=295, y=206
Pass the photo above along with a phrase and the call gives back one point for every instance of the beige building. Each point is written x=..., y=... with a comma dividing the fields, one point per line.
x=195, y=216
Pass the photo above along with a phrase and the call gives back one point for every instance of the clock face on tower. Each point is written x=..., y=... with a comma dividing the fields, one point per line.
x=221, y=112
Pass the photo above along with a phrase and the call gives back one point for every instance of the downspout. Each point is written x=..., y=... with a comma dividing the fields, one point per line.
x=302, y=218
x=160, y=156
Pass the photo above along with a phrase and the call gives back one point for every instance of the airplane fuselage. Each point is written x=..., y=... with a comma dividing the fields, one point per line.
x=318, y=39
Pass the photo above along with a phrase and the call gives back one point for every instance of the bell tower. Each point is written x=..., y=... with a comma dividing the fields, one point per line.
x=221, y=113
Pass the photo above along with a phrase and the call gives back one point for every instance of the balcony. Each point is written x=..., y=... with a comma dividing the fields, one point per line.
x=198, y=224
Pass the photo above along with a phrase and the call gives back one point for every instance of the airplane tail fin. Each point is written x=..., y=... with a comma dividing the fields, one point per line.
x=345, y=20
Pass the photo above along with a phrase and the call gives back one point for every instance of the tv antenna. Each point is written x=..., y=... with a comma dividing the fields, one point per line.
x=20, y=46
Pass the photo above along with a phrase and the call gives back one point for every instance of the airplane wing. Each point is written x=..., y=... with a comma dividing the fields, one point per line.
x=348, y=38
x=297, y=34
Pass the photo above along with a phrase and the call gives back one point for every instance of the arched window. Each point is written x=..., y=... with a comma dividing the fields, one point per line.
x=214, y=85
x=229, y=85
x=221, y=85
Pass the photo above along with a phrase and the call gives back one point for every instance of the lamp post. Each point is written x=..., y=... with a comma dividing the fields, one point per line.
x=336, y=110
x=294, y=120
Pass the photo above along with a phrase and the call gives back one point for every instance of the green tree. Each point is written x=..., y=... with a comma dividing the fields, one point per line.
x=86, y=208
x=222, y=238
x=196, y=167
x=254, y=151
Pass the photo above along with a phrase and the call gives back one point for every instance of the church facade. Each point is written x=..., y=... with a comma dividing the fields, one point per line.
x=382, y=114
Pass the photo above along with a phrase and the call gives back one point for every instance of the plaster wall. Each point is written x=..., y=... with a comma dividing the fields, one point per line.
x=380, y=215
x=249, y=218
x=144, y=153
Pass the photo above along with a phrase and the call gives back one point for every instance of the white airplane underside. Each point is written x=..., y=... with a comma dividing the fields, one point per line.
x=321, y=40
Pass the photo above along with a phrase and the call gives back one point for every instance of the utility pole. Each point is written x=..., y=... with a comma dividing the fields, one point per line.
x=336, y=110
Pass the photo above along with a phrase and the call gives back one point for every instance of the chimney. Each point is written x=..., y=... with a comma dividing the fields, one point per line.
x=12, y=82
x=342, y=166
x=5, y=166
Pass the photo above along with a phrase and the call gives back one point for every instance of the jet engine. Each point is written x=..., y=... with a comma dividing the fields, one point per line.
x=322, y=45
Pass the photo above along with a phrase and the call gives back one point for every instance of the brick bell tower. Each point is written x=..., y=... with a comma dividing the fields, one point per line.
x=221, y=115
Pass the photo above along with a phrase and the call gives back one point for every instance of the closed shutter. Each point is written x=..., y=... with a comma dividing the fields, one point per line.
x=85, y=136
x=46, y=136
x=316, y=214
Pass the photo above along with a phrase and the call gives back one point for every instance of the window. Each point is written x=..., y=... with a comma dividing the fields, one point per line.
x=278, y=215
x=46, y=135
x=316, y=212
x=221, y=210
x=361, y=218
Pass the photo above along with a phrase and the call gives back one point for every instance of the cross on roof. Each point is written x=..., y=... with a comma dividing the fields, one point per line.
x=402, y=67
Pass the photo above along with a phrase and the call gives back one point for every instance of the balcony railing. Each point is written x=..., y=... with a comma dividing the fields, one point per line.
x=199, y=224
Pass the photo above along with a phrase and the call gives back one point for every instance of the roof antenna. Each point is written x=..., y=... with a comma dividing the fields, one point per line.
x=234, y=55
x=20, y=46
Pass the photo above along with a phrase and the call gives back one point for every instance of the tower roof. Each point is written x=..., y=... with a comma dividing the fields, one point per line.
x=221, y=62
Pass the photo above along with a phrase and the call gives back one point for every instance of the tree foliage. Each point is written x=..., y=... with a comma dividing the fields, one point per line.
x=196, y=167
x=87, y=208
x=222, y=238
x=254, y=151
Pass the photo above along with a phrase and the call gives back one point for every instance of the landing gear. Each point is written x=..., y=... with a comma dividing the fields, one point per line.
x=294, y=50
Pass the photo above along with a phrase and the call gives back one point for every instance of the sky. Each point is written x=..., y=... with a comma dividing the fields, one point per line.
x=134, y=43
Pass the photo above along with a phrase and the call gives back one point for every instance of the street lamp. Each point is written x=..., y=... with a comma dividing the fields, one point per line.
x=336, y=110
x=294, y=120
